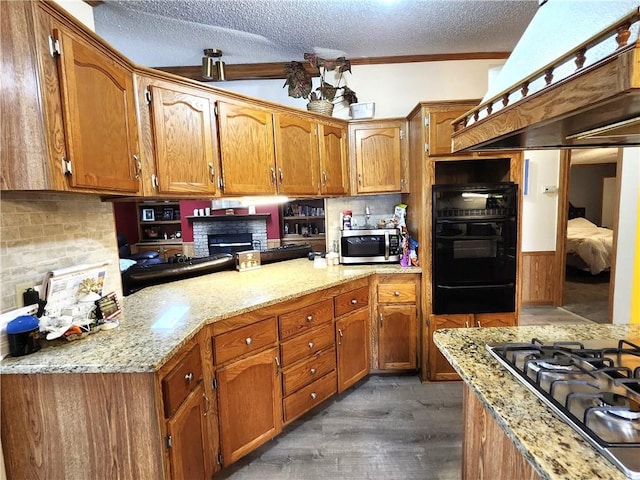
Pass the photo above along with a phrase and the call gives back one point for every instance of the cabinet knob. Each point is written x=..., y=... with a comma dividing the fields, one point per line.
x=312, y=371
x=311, y=344
x=248, y=340
x=354, y=301
x=313, y=395
x=188, y=377
x=310, y=318
x=396, y=294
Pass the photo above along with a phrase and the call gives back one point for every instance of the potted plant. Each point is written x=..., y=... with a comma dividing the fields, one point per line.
x=326, y=95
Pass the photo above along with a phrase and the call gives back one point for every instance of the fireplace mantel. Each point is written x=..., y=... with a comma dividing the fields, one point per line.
x=228, y=218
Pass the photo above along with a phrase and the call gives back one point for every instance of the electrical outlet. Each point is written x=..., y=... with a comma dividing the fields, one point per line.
x=20, y=289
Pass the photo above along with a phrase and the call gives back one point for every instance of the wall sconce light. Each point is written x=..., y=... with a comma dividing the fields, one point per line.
x=213, y=70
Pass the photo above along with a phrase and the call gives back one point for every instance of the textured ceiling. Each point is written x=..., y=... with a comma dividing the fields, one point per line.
x=175, y=32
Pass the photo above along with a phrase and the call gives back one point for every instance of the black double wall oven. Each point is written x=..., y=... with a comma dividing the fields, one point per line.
x=474, y=248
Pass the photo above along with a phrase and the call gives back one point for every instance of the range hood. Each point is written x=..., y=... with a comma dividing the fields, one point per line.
x=586, y=95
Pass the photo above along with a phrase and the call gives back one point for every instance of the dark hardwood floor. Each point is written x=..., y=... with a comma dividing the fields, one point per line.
x=385, y=427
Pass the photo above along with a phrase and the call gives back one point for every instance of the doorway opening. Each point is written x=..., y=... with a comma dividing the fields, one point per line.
x=588, y=211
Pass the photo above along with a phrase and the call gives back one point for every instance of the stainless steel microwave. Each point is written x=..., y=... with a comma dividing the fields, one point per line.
x=370, y=246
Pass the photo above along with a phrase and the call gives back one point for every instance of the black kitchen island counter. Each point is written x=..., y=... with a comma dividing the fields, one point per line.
x=158, y=320
x=551, y=447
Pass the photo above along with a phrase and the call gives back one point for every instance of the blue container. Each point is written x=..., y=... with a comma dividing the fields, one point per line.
x=24, y=335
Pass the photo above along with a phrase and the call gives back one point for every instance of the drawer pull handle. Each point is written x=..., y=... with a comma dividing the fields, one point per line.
x=248, y=340
x=479, y=324
x=310, y=318
x=277, y=366
x=354, y=301
x=396, y=294
x=312, y=371
x=188, y=377
x=311, y=344
x=314, y=395
x=466, y=323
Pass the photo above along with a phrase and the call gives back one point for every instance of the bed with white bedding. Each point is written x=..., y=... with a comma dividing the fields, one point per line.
x=588, y=246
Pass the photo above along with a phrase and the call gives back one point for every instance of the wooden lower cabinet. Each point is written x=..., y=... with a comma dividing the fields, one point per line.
x=189, y=441
x=397, y=337
x=397, y=322
x=352, y=338
x=487, y=452
x=250, y=403
x=439, y=367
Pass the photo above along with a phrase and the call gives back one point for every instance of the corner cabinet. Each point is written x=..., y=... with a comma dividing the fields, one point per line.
x=60, y=82
x=378, y=156
x=178, y=126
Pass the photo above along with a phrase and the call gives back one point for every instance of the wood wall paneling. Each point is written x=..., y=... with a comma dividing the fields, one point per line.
x=539, y=278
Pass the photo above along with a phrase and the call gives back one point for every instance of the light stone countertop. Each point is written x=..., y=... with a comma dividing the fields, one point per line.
x=158, y=320
x=553, y=448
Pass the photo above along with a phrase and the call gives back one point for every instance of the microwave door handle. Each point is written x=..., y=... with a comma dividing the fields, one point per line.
x=386, y=245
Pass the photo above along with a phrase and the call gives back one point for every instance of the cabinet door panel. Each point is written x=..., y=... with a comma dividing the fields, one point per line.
x=333, y=159
x=99, y=117
x=397, y=327
x=352, y=339
x=440, y=130
x=439, y=367
x=188, y=440
x=246, y=149
x=296, y=155
x=250, y=403
x=185, y=141
x=378, y=152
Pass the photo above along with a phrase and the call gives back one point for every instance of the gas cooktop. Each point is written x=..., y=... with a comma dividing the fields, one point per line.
x=592, y=385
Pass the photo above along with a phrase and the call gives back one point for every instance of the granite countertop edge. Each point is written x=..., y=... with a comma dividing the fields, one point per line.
x=533, y=427
x=157, y=321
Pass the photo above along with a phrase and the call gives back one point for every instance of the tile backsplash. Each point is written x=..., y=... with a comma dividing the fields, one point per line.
x=44, y=231
x=380, y=207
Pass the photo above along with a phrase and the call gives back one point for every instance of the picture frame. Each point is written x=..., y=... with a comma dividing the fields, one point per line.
x=148, y=215
x=167, y=214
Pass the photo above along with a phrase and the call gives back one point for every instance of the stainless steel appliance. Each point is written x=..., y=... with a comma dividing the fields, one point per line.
x=592, y=385
x=370, y=246
x=474, y=247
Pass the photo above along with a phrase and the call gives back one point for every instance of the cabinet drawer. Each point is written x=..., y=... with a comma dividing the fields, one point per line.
x=397, y=293
x=305, y=318
x=177, y=384
x=308, y=397
x=307, y=344
x=245, y=340
x=350, y=301
x=308, y=370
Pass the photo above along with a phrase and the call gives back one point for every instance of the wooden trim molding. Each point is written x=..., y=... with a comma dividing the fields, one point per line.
x=264, y=71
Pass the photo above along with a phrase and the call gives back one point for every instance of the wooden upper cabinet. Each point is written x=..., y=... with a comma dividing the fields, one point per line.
x=246, y=149
x=334, y=175
x=378, y=153
x=440, y=129
x=183, y=139
x=99, y=116
x=296, y=142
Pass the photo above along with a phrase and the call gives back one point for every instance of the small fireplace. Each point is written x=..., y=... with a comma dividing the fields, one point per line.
x=229, y=242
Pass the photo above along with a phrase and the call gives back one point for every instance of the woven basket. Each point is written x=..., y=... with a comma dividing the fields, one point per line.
x=325, y=107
